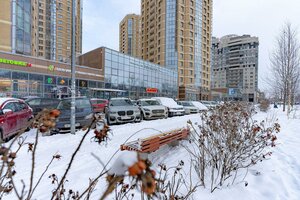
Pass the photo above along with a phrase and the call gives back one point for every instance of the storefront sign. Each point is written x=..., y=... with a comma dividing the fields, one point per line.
x=51, y=68
x=15, y=62
x=77, y=72
x=151, y=90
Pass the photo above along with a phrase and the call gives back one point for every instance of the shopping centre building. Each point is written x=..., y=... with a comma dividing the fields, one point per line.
x=22, y=76
x=101, y=73
x=137, y=78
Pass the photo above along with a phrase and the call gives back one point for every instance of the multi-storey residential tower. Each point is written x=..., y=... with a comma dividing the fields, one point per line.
x=130, y=35
x=173, y=36
x=40, y=28
x=235, y=67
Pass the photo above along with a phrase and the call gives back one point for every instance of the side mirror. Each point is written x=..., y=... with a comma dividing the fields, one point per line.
x=7, y=111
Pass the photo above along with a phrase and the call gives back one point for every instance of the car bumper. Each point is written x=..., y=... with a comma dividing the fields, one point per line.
x=176, y=113
x=150, y=115
x=116, y=119
x=65, y=127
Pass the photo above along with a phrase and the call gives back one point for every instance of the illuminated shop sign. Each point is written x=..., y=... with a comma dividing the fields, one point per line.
x=51, y=68
x=77, y=72
x=15, y=62
x=151, y=90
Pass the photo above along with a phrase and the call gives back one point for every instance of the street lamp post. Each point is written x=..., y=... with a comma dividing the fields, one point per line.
x=73, y=57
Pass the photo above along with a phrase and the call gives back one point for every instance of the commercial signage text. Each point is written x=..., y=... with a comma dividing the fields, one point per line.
x=151, y=90
x=15, y=62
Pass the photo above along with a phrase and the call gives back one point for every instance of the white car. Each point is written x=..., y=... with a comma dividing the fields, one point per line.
x=173, y=108
x=189, y=108
x=199, y=105
x=152, y=109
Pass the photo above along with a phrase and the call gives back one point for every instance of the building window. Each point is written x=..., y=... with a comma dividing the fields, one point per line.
x=181, y=71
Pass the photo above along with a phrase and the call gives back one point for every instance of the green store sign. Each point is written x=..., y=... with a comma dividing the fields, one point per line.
x=15, y=62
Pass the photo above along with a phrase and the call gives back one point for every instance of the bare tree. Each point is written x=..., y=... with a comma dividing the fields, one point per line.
x=285, y=63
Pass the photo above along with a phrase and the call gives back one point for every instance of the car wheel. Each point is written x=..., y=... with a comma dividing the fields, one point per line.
x=2, y=139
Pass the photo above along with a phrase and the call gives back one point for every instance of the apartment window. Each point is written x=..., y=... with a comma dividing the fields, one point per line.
x=60, y=28
x=41, y=23
x=191, y=72
x=191, y=34
x=41, y=11
x=158, y=41
x=41, y=17
x=41, y=54
x=191, y=80
x=41, y=29
x=191, y=64
x=41, y=48
x=158, y=57
x=158, y=50
x=182, y=25
x=191, y=57
x=181, y=64
x=191, y=10
x=191, y=49
x=181, y=55
x=41, y=35
x=182, y=9
x=192, y=3
x=40, y=41
x=191, y=42
x=181, y=32
x=181, y=40
x=60, y=22
x=182, y=16
x=181, y=48
x=181, y=71
x=60, y=16
x=181, y=79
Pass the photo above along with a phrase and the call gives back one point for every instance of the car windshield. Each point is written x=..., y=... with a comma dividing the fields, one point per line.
x=120, y=102
x=98, y=101
x=65, y=104
x=187, y=104
x=150, y=103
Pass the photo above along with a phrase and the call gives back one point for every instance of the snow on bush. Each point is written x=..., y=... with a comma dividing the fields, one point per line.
x=227, y=140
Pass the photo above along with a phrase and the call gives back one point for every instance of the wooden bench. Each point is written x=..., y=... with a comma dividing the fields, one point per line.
x=153, y=143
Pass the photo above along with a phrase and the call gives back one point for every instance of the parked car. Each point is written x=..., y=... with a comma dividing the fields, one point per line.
x=173, y=108
x=38, y=104
x=151, y=109
x=189, y=107
x=122, y=110
x=15, y=115
x=199, y=105
x=99, y=104
x=83, y=114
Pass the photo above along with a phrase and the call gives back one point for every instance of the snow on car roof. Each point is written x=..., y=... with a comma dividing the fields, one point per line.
x=2, y=100
x=167, y=101
x=199, y=105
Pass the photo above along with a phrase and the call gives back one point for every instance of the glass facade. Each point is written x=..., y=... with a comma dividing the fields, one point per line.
x=198, y=43
x=20, y=84
x=136, y=76
x=129, y=28
x=171, y=56
x=22, y=27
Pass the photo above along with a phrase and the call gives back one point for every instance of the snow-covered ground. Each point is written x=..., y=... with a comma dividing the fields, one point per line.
x=277, y=178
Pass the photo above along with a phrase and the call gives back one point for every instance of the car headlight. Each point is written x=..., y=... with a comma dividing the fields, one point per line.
x=146, y=109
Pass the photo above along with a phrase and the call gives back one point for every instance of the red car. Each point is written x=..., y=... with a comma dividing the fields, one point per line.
x=99, y=104
x=14, y=116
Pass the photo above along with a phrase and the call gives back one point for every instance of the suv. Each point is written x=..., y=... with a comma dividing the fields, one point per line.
x=15, y=115
x=173, y=108
x=99, y=104
x=122, y=110
x=38, y=104
x=83, y=110
x=189, y=107
x=151, y=108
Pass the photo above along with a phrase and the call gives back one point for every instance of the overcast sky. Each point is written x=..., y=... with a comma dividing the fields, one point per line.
x=261, y=18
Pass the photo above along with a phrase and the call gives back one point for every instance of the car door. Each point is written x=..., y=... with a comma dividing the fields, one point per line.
x=23, y=115
x=11, y=120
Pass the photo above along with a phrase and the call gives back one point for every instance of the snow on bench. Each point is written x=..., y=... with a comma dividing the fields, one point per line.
x=153, y=143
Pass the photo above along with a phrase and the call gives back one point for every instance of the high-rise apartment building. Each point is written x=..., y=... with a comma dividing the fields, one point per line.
x=235, y=67
x=130, y=35
x=40, y=28
x=177, y=34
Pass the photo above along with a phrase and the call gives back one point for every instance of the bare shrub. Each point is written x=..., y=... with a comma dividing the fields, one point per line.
x=264, y=105
x=227, y=140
